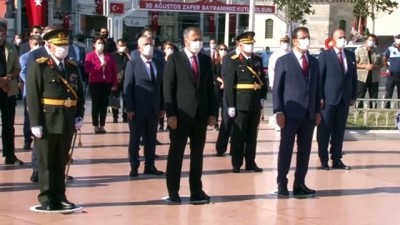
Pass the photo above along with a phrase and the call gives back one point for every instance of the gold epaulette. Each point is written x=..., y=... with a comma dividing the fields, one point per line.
x=42, y=60
x=235, y=56
x=72, y=62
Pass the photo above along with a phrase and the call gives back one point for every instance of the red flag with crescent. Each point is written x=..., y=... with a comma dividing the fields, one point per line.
x=36, y=12
x=116, y=7
x=154, y=21
x=99, y=6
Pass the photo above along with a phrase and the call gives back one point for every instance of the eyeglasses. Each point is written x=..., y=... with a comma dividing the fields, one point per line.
x=223, y=49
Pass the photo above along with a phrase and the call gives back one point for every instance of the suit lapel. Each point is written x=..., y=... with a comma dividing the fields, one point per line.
x=296, y=61
x=187, y=66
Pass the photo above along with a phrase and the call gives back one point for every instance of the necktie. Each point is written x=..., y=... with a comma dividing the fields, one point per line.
x=195, y=68
x=152, y=75
x=304, y=65
x=340, y=58
x=61, y=67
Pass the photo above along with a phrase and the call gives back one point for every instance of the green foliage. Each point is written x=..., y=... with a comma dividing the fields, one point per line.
x=369, y=8
x=296, y=10
x=377, y=120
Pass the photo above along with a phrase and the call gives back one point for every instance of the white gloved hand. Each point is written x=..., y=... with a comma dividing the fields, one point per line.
x=37, y=131
x=78, y=123
x=232, y=112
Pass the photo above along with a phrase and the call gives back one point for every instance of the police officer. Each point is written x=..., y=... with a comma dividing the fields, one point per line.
x=56, y=108
x=245, y=90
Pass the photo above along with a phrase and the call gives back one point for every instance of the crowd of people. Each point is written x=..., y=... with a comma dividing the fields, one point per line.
x=190, y=88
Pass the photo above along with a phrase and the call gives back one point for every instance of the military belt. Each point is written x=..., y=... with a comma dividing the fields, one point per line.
x=59, y=102
x=248, y=86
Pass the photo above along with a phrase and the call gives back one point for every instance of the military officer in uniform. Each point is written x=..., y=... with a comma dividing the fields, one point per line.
x=56, y=108
x=245, y=90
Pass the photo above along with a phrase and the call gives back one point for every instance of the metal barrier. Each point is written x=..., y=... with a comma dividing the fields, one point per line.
x=381, y=110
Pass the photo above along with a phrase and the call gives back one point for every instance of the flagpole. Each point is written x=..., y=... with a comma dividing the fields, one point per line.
x=251, y=14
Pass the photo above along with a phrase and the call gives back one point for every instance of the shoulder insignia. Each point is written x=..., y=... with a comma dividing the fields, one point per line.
x=71, y=62
x=234, y=56
x=42, y=60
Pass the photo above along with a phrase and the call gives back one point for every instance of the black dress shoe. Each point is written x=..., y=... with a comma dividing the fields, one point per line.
x=282, y=190
x=49, y=206
x=65, y=205
x=133, y=173
x=14, y=161
x=220, y=154
x=27, y=146
x=254, y=168
x=301, y=190
x=338, y=164
x=235, y=170
x=174, y=198
x=153, y=171
x=35, y=177
x=158, y=142
x=325, y=166
x=201, y=196
x=68, y=177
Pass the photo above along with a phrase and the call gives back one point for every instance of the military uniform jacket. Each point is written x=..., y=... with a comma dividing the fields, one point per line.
x=44, y=82
x=240, y=71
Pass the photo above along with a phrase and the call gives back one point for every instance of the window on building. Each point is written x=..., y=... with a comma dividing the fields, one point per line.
x=342, y=24
x=269, y=28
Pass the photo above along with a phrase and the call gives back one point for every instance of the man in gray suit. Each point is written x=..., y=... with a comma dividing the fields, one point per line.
x=144, y=104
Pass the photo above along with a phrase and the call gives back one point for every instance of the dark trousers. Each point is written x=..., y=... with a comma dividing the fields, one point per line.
x=119, y=93
x=219, y=93
x=303, y=129
x=99, y=93
x=148, y=126
x=332, y=128
x=7, y=107
x=392, y=81
x=371, y=87
x=26, y=128
x=244, y=137
x=52, y=152
x=195, y=129
x=225, y=130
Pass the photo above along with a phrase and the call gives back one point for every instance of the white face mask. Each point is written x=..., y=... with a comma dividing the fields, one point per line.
x=122, y=49
x=213, y=46
x=222, y=53
x=18, y=41
x=248, y=48
x=371, y=44
x=397, y=41
x=340, y=43
x=61, y=52
x=99, y=47
x=195, y=46
x=285, y=46
x=169, y=51
x=148, y=50
x=304, y=44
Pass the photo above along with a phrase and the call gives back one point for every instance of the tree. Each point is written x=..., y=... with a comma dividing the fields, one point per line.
x=295, y=10
x=370, y=8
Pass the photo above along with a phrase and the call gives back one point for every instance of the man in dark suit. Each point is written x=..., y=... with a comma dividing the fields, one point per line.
x=338, y=71
x=245, y=90
x=144, y=105
x=56, y=108
x=190, y=105
x=77, y=53
x=296, y=102
x=35, y=30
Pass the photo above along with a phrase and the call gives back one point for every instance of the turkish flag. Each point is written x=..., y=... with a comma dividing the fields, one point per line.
x=211, y=23
x=36, y=12
x=154, y=21
x=65, y=23
x=116, y=7
x=99, y=6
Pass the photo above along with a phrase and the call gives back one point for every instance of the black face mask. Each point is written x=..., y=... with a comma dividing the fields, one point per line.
x=104, y=35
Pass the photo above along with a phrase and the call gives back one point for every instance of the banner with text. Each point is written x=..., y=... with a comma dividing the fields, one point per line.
x=208, y=6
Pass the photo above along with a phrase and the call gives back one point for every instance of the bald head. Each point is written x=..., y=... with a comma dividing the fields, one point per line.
x=339, y=37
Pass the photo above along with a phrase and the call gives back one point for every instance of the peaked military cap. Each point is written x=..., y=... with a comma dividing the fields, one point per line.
x=285, y=39
x=246, y=37
x=57, y=37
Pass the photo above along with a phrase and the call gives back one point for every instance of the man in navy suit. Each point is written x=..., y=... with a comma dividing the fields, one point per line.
x=144, y=104
x=338, y=70
x=190, y=103
x=296, y=102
